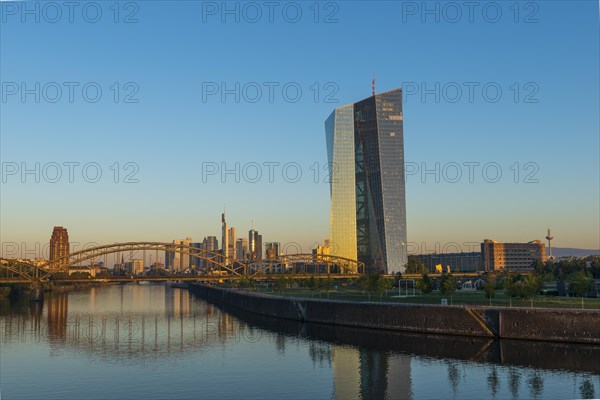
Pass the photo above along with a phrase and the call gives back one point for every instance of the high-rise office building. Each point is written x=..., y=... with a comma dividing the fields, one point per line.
x=224, y=237
x=134, y=267
x=197, y=249
x=456, y=262
x=241, y=249
x=59, y=247
x=271, y=250
x=259, y=248
x=365, y=148
x=517, y=257
x=211, y=244
x=177, y=261
x=322, y=250
x=255, y=245
x=230, y=244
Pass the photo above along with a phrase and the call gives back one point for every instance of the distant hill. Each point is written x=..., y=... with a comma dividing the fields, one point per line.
x=570, y=252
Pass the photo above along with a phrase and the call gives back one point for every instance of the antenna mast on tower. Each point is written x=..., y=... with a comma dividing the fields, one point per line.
x=373, y=85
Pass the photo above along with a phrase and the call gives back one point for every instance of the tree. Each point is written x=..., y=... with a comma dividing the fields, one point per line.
x=448, y=285
x=374, y=282
x=594, y=268
x=524, y=287
x=580, y=283
x=280, y=283
x=540, y=267
x=382, y=284
x=490, y=285
x=368, y=282
x=510, y=287
x=561, y=286
x=326, y=283
x=397, y=277
x=425, y=285
x=291, y=282
x=361, y=282
x=415, y=266
x=245, y=282
x=528, y=286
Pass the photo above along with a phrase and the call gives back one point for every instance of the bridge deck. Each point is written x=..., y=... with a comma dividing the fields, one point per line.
x=217, y=278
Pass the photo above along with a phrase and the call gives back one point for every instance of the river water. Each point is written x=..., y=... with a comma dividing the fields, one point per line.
x=157, y=342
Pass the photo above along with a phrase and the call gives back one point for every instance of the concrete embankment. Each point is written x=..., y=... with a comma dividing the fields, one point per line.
x=578, y=357
x=560, y=325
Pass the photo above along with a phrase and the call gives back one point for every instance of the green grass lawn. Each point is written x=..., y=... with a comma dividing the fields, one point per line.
x=460, y=297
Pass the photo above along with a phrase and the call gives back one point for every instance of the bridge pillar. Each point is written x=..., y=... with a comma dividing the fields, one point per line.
x=37, y=292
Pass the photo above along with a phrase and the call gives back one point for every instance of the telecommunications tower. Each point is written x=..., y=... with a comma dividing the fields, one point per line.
x=549, y=238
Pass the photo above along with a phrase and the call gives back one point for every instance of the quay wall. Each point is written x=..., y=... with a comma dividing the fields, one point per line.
x=558, y=325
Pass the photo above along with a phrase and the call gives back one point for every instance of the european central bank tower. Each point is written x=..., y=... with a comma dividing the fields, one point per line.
x=365, y=148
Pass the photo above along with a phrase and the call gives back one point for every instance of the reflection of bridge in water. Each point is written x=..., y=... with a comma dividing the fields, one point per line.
x=183, y=325
x=130, y=324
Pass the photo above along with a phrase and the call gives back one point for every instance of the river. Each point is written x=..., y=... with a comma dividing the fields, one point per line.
x=156, y=342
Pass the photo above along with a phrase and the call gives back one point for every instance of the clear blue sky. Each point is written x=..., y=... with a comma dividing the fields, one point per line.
x=177, y=48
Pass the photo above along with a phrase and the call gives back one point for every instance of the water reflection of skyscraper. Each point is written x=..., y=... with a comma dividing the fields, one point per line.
x=36, y=311
x=57, y=309
x=177, y=302
x=226, y=326
x=93, y=295
x=184, y=303
x=399, y=378
x=169, y=300
x=370, y=374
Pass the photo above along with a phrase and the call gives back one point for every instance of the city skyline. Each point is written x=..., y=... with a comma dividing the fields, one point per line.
x=300, y=199
x=560, y=154
x=242, y=251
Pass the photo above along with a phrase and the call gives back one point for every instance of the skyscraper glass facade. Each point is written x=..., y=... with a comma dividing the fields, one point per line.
x=241, y=249
x=365, y=144
x=255, y=245
x=339, y=129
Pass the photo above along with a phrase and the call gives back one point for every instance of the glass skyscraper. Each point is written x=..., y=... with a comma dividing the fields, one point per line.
x=255, y=245
x=365, y=147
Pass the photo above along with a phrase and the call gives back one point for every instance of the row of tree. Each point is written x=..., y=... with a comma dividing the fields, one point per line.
x=447, y=285
x=573, y=276
x=565, y=267
x=514, y=285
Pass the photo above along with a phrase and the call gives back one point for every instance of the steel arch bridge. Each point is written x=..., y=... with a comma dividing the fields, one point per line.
x=213, y=261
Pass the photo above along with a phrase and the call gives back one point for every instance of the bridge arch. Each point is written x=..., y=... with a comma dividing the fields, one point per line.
x=20, y=268
x=217, y=259
x=214, y=259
